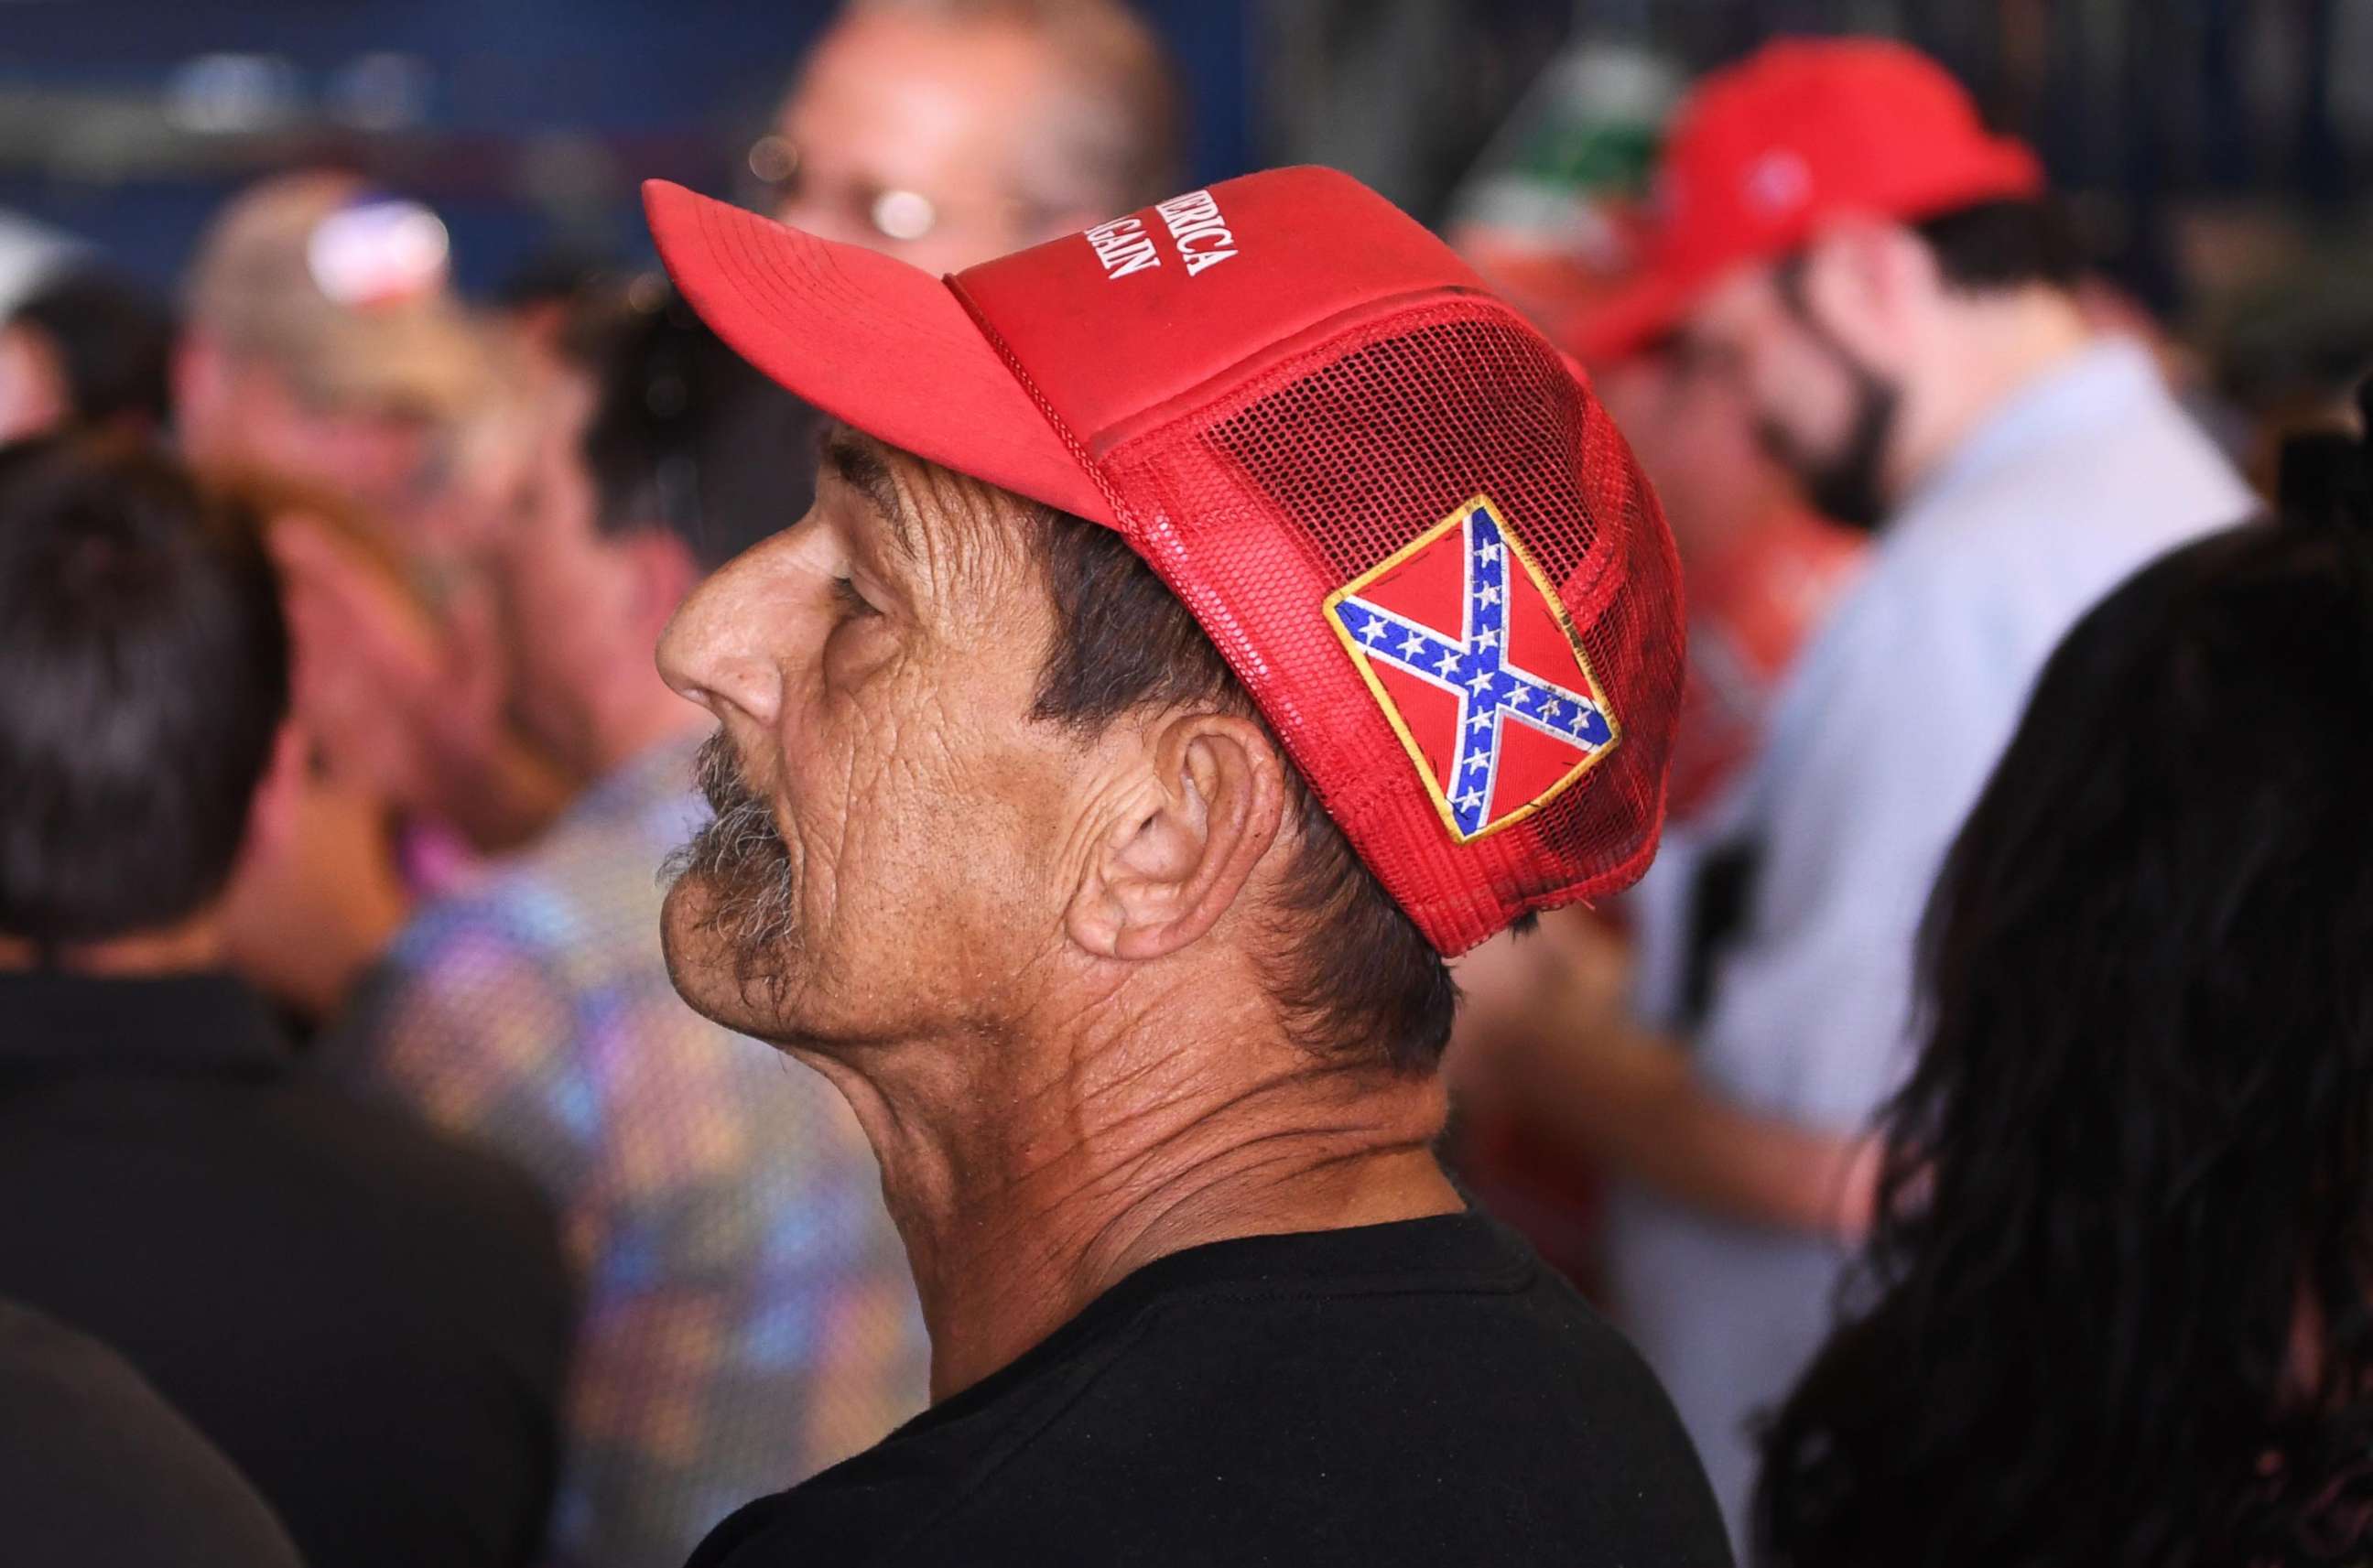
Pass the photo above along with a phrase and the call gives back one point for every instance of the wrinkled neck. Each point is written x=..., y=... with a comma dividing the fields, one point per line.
x=1029, y=1175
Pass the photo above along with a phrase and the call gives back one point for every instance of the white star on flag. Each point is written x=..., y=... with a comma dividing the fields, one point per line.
x=1486, y=594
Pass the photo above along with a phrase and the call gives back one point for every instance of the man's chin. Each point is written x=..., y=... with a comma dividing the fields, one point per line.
x=702, y=965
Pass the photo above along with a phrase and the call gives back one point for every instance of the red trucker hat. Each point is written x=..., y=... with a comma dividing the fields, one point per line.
x=1801, y=131
x=1403, y=519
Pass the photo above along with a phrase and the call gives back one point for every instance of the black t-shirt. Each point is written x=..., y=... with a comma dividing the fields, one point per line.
x=370, y=1320
x=98, y=1471
x=1424, y=1392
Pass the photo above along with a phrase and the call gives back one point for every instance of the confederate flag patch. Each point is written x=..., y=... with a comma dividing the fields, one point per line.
x=1479, y=669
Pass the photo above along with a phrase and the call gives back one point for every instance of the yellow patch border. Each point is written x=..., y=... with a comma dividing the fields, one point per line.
x=1358, y=654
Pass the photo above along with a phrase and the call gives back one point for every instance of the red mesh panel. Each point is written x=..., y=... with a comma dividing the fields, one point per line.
x=1355, y=447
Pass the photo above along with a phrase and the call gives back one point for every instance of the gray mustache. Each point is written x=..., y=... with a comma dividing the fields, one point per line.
x=742, y=861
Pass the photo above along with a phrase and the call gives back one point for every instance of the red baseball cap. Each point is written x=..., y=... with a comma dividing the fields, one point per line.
x=1803, y=131
x=1401, y=516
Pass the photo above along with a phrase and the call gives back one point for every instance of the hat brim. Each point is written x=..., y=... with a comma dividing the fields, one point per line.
x=878, y=344
x=1631, y=318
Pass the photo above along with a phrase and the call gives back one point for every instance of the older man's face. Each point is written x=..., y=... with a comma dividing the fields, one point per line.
x=889, y=856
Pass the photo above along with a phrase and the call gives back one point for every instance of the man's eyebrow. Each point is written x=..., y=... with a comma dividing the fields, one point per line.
x=859, y=464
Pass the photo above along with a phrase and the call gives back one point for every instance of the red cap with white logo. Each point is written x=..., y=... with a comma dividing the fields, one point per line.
x=1803, y=131
x=1401, y=518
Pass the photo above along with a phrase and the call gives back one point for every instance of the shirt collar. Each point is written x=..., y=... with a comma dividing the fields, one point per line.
x=205, y=1023
x=2103, y=381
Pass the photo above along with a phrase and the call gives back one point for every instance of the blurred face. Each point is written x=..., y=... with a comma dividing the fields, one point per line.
x=927, y=142
x=1697, y=440
x=1819, y=405
x=390, y=464
x=566, y=595
x=33, y=395
x=890, y=822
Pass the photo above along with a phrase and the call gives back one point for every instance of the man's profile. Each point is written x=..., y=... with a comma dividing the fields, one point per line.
x=1206, y=624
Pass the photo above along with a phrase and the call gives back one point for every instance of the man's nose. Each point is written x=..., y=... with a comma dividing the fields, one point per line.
x=717, y=648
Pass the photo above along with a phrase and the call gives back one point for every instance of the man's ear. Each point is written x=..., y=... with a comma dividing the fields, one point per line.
x=199, y=373
x=1180, y=856
x=1868, y=282
x=272, y=809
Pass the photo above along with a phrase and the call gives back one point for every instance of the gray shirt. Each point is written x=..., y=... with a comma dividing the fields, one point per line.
x=1878, y=745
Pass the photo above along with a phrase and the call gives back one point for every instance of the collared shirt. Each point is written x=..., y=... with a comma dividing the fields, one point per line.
x=1887, y=731
x=369, y=1319
x=749, y=1315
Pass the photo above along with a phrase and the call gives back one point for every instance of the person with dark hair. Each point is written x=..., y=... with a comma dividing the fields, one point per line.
x=85, y=348
x=2115, y=1311
x=749, y=1315
x=369, y=1320
x=1205, y=624
x=1887, y=285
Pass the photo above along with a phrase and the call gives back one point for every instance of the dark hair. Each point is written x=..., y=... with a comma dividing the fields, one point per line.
x=686, y=435
x=1355, y=977
x=115, y=344
x=144, y=677
x=2004, y=245
x=2118, y=1307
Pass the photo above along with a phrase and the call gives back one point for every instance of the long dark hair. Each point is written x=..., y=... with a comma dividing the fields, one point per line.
x=2118, y=1307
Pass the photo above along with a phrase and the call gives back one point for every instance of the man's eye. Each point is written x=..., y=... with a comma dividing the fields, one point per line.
x=844, y=591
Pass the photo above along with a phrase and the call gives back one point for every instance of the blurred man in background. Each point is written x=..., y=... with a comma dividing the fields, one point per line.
x=322, y=342
x=946, y=132
x=1553, y=216
x=1762, y=573
x=326, y=367
x=749, y=1314
x=1887, y=287
x=1762, y=568
x=369, y=1320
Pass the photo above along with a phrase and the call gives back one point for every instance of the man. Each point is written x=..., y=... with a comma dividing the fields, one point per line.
x=325, y=360
x=369, y=1321
x=947, y=131
x=1120, y=913
x=322, y=342
x=1884, y=282
x=749, y=1315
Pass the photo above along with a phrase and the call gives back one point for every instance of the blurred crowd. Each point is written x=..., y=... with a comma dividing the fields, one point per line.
x=374, y=1198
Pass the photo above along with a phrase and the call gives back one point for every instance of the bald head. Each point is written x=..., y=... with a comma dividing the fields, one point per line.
x=948, y=132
